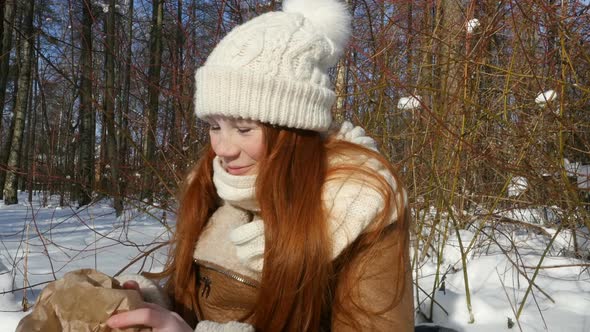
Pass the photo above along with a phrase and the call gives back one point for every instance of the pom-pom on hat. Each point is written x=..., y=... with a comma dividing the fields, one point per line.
x=274, y=68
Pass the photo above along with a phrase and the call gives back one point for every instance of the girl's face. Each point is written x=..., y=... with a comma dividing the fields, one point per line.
x=238, y=143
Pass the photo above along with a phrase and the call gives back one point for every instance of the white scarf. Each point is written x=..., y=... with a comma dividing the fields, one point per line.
x=351, y=204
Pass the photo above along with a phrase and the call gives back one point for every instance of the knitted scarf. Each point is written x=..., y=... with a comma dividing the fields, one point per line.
x=351, y=204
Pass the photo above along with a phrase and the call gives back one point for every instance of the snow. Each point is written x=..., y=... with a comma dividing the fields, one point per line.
x=7, y=301
x=545, y=97
x=409, y=103
x=472, y=24
x=500, y=261
x=62, y=239
x=581, y=172
x=517, y=186
x=498, y=287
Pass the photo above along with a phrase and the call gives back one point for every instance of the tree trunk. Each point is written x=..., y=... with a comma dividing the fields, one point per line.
x=124, y=135
x=2, y=6
x=5, y=50
x=193, y=134
x=45, y=144
x=32, y=156
x=87, y=117
x=176, y=131
x=4, y=151
x=24, y=80
x=24, y=158
x=109, y=108
x=153, y=96
x=341, y=86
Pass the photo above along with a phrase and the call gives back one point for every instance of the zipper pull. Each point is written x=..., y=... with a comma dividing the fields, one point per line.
x=206, y=286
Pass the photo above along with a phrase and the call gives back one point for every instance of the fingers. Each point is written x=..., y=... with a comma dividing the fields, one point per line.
x=130, y=284
x=354, y=133
x=147, y=316
x=345, y=127
x=153, y=306
x=150, y=315
x=366, y=141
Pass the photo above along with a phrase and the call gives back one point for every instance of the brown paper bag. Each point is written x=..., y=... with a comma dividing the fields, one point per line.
x=81, y=301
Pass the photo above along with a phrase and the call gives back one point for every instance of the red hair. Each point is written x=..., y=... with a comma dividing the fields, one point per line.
x=298, y=268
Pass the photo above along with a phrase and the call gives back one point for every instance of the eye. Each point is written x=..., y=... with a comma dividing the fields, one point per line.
x=213, y=127
x=244, y=130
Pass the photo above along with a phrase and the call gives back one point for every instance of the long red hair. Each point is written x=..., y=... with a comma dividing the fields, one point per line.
x=298, y=268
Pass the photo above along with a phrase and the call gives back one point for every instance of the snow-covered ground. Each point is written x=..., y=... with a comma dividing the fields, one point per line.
x=46, y=242
x=499, y=268
x=65, y=239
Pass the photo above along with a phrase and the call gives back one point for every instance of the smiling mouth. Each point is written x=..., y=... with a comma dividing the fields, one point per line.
x=238, y=170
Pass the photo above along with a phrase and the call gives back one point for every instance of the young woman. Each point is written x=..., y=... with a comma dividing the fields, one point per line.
x=285, y=223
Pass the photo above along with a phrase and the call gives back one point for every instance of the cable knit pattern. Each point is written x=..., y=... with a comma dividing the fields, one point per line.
x=351, y=203
x=274, y=68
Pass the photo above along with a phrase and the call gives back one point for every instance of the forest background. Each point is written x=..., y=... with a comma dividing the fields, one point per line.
x=484, y=106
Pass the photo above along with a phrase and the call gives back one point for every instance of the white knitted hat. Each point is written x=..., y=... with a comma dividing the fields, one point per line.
x=274, y=68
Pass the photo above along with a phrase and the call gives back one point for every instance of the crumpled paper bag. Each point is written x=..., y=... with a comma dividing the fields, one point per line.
x=81, y=301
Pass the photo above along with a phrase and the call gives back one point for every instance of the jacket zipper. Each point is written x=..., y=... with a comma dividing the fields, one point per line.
x=206, y=287
x=227, y=274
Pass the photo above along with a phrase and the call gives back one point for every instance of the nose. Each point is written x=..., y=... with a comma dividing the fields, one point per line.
x=226, y=147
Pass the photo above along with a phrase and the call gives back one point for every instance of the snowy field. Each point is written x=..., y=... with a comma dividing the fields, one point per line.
x=500, y=268
x=43, y=243
x=65, y=239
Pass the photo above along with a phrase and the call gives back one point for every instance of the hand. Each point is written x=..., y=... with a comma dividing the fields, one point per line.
x=131, y=285
x=348, y=132
x=149, y=290
x=150, y=315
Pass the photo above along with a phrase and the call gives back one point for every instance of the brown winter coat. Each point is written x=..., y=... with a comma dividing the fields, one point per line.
x=224, y=295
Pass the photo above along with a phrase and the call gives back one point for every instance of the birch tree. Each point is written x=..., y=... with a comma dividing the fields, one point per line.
x=9, y=11
x=21, y=105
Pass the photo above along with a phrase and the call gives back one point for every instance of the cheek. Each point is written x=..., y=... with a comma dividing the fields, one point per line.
x=214, y=140
x=255, y=148
x=259, y=152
